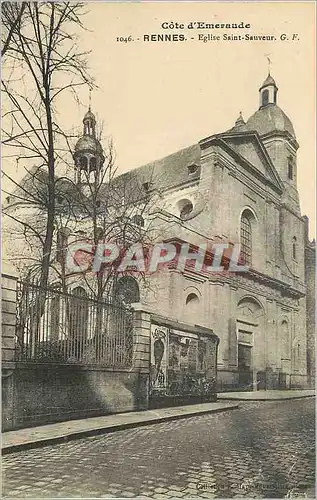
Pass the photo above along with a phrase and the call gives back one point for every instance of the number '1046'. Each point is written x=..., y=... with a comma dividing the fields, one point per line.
x=124, y=39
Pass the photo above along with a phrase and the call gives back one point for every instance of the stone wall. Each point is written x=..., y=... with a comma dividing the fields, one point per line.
x=45, y=393
x=39, y=393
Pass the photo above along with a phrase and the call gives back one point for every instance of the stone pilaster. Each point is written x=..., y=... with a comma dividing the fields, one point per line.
x=232, y=330
x=142, y=338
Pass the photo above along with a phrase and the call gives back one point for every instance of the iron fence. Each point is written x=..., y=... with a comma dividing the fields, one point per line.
x=60, y=327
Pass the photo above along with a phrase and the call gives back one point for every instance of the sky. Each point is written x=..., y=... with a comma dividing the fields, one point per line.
x=155, y=98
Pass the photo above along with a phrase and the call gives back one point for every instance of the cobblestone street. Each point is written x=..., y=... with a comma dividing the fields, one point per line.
x=262, y=450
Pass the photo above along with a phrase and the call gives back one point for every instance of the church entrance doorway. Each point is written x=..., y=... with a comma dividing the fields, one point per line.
x=251, y=347
x=245, y=366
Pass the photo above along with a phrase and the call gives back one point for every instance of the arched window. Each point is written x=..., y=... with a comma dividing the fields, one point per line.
x=84, y=162
x=192, y=302
x=138, y=220
x=265, y=97
x=126, y=290
x=290, y=168
x=192, y=298
x=246, y=238
x=294, y=248
x=92, y=164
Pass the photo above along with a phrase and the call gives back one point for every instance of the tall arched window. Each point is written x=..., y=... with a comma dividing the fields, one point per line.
x=294, y=248
x=246, y=238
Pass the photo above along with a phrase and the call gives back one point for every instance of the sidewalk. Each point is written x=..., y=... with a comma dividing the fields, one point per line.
x=63, y=431
x=266, y=395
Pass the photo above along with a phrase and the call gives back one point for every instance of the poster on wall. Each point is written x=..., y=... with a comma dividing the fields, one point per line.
x=158, y=369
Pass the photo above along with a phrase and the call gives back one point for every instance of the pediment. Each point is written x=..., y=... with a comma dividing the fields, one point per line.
x=247, y=149
x=250, y=148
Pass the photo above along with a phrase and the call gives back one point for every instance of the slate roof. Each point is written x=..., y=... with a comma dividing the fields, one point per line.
x=169, y=171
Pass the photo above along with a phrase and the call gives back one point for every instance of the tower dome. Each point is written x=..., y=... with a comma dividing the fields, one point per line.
x=270, y=119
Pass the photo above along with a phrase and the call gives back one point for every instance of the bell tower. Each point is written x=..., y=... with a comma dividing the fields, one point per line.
x=278, y=136
x=88, y=155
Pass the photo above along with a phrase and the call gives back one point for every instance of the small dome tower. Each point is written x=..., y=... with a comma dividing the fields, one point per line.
x=88, y=155
x=268, y=92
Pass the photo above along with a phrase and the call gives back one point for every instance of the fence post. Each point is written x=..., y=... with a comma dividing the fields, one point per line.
x=8, y=323
x=141, y=348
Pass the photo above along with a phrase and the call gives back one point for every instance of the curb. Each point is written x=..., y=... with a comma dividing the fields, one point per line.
x=264, y=400
x=107, y=430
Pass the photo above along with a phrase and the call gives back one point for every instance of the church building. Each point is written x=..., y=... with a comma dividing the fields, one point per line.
x=237, y=186
x=240, y=186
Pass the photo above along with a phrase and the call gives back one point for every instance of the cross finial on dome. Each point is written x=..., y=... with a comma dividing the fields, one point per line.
x=269, y=64
x=89, y=107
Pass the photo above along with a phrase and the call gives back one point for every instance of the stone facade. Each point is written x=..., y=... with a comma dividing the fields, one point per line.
x=264, y=316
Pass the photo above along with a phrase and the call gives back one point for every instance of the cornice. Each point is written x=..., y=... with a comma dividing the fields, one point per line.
x=234, y=280
x=267, y=280
x=289, y=209
x=283, y=134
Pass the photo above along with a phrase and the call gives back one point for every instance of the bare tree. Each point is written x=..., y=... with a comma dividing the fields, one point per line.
x=41, y=63
x=12, y=19
x=105, y=208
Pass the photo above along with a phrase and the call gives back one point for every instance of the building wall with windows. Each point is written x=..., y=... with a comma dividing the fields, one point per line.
x=241, y=187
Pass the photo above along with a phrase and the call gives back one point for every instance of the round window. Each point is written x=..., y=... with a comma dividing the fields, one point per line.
x=185, y=208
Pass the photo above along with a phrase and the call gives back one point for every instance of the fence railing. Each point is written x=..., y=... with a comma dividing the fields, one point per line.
x=58, y=327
